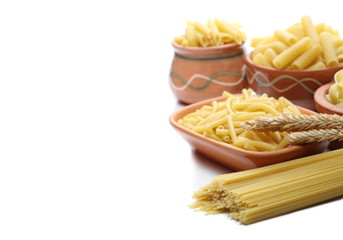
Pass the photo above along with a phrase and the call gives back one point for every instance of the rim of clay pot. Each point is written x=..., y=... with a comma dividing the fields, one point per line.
x=248, y=60
x=206, y=50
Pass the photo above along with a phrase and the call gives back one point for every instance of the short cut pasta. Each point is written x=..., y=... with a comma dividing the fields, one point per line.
x=335, y=94
x=215, y=32
x=302, y=46
x=222, y=120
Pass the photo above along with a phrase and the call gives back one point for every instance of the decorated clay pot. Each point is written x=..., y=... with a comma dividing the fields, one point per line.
x=298, y=86
x=199, y=73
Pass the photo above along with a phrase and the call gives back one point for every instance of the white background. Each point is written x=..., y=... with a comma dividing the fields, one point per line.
x=86, y=149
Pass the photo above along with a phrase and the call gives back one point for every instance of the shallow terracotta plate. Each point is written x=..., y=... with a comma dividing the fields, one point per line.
x=236, y=158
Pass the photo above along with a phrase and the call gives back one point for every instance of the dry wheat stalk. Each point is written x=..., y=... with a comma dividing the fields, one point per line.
x=320, y=135
x=293, y=123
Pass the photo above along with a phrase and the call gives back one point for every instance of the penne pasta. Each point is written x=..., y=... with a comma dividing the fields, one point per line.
x=203, y=29
x=329, y=50
x=285, y=37
x=269, y=55
x=226, y=38
x=297, y=30
x=317, y=65
x=260, y=59
x=291, y=53
x=277, y=46
x=309, y=28
x=201, y=39
x=309, y=56
x=230, y=29
x=325, y=49
x=191, y=36
x=215, y=32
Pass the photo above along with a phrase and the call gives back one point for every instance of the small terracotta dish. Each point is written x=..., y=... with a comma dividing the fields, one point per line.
x=199, y=73
x=236, y=158
x=298, y=86
x=324, y=106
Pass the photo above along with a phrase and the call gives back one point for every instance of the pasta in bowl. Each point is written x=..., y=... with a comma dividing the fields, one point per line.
x=328, y=99
x=208, y=59
x=298, y=60
x=298, y=86
x=260, y=150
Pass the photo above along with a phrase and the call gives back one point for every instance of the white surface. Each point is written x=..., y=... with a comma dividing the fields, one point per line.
x=86, y=148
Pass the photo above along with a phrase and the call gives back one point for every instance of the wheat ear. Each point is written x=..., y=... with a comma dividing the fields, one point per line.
x=320, y=135
x=294, y=123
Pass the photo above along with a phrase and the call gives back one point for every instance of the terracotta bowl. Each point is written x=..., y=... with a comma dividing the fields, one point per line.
x=297, y=86
x=233, y=157
x=324, y=106
x=199, y=73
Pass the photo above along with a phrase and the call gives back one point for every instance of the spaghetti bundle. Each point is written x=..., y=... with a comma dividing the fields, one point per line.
x=257, y=194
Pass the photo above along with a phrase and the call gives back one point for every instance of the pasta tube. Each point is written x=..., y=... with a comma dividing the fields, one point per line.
x=260, y=59
x=286, y=37
x=317, y=65
x=309, y=28
x=305, y=59
x=291, y=53
x=328, y=49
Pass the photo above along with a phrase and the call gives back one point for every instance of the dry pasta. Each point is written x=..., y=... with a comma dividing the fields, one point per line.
x=215, y=32
x=335, y=94
x=291, y=53
x=261, y=59
x=305, y=59
x=328, y=49
x=269, y=55
x=317, y=65
x=285, y=37
x=309, y=28
x=301, y=46
x=258, y=194
x=222, y=120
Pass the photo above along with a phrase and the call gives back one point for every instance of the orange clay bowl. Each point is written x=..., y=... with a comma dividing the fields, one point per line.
x=199, y=73
x=298, y=86
x=233, y=157
x=324, y=106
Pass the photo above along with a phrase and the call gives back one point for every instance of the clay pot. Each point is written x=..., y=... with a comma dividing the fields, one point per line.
x=199, y=73
x=298, y=86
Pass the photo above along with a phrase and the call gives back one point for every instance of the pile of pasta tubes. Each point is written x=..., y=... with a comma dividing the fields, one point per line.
x=335, y=94
x=216, y=32
x=302, y=46
x=258, y=194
